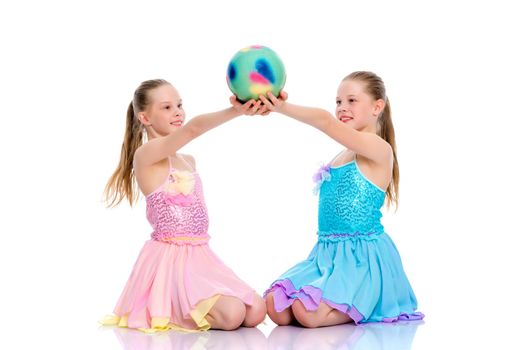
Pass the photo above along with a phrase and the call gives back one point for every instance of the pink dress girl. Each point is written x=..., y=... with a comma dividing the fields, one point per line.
x=177, y=278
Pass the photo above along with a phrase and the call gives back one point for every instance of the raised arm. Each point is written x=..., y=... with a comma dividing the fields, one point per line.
x=366, y=144
x=161, y=147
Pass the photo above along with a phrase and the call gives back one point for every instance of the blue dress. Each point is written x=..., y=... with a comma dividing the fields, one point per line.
x=354, y=267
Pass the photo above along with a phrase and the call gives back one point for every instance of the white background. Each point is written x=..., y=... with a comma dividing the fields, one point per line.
x=454, y=74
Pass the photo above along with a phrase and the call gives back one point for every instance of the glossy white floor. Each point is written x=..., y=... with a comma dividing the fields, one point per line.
x=454, y=74
x=398, y=337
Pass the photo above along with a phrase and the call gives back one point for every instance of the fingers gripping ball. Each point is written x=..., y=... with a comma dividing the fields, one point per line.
x=254, y=71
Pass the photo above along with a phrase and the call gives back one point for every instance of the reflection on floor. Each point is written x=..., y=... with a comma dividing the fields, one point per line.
x=373, y=336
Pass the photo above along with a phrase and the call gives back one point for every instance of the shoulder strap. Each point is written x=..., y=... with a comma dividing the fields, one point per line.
x=337, y=156
x=186, y=162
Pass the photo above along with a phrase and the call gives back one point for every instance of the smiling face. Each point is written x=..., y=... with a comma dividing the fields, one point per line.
x=164, y=112
x=357, y=108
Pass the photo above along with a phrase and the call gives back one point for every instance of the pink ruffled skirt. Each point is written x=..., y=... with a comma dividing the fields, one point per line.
x=174, y=286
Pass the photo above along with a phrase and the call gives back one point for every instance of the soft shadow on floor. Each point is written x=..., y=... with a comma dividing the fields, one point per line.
x=373, y=336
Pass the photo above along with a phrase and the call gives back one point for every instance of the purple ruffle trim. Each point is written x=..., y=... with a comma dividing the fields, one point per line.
x=284, y=294
x=405, y=317
x=335, y=237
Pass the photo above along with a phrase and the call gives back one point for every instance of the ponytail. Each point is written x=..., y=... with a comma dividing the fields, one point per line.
x=375, y=87
x=122, y=183
x=386, y=131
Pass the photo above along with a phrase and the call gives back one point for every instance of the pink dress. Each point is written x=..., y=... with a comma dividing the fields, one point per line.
x=177, y=278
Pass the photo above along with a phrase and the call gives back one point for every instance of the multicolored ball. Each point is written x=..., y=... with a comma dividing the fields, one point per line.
x=254, y=71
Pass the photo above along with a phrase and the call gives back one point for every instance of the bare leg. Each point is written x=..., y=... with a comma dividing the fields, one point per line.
x=255, y=313
x=323, y=316
x=227, y=314
x=282, y=318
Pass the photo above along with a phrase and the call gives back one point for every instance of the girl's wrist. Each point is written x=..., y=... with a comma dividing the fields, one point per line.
x=283, y=108
x=231, y=112
x=234, y=113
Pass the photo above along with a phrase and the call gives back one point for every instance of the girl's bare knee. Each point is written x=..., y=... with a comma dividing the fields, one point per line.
x=305, y=318
x=228, y=313
x=255, y=313
x=283, y=318
x=233, y=320
x=235, y=315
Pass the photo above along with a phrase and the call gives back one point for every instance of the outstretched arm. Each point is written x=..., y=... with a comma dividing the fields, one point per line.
x=369, y=145
x=161, y=147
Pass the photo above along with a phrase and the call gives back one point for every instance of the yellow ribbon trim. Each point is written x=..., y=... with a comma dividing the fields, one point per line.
x=203, y=308
x=162, y=324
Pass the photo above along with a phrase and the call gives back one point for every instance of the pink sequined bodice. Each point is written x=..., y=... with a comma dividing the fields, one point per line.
x=178, y=214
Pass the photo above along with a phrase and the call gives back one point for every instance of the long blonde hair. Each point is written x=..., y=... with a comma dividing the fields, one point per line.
x=375, y=87
x=122, y=184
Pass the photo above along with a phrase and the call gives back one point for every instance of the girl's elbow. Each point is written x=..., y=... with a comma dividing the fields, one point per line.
x=194, y=130
x=324, y=122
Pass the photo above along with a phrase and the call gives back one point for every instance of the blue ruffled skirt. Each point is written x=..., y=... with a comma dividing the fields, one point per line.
x=360, y=275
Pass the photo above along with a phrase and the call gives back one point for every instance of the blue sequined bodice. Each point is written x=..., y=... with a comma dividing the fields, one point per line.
x=349, y=204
